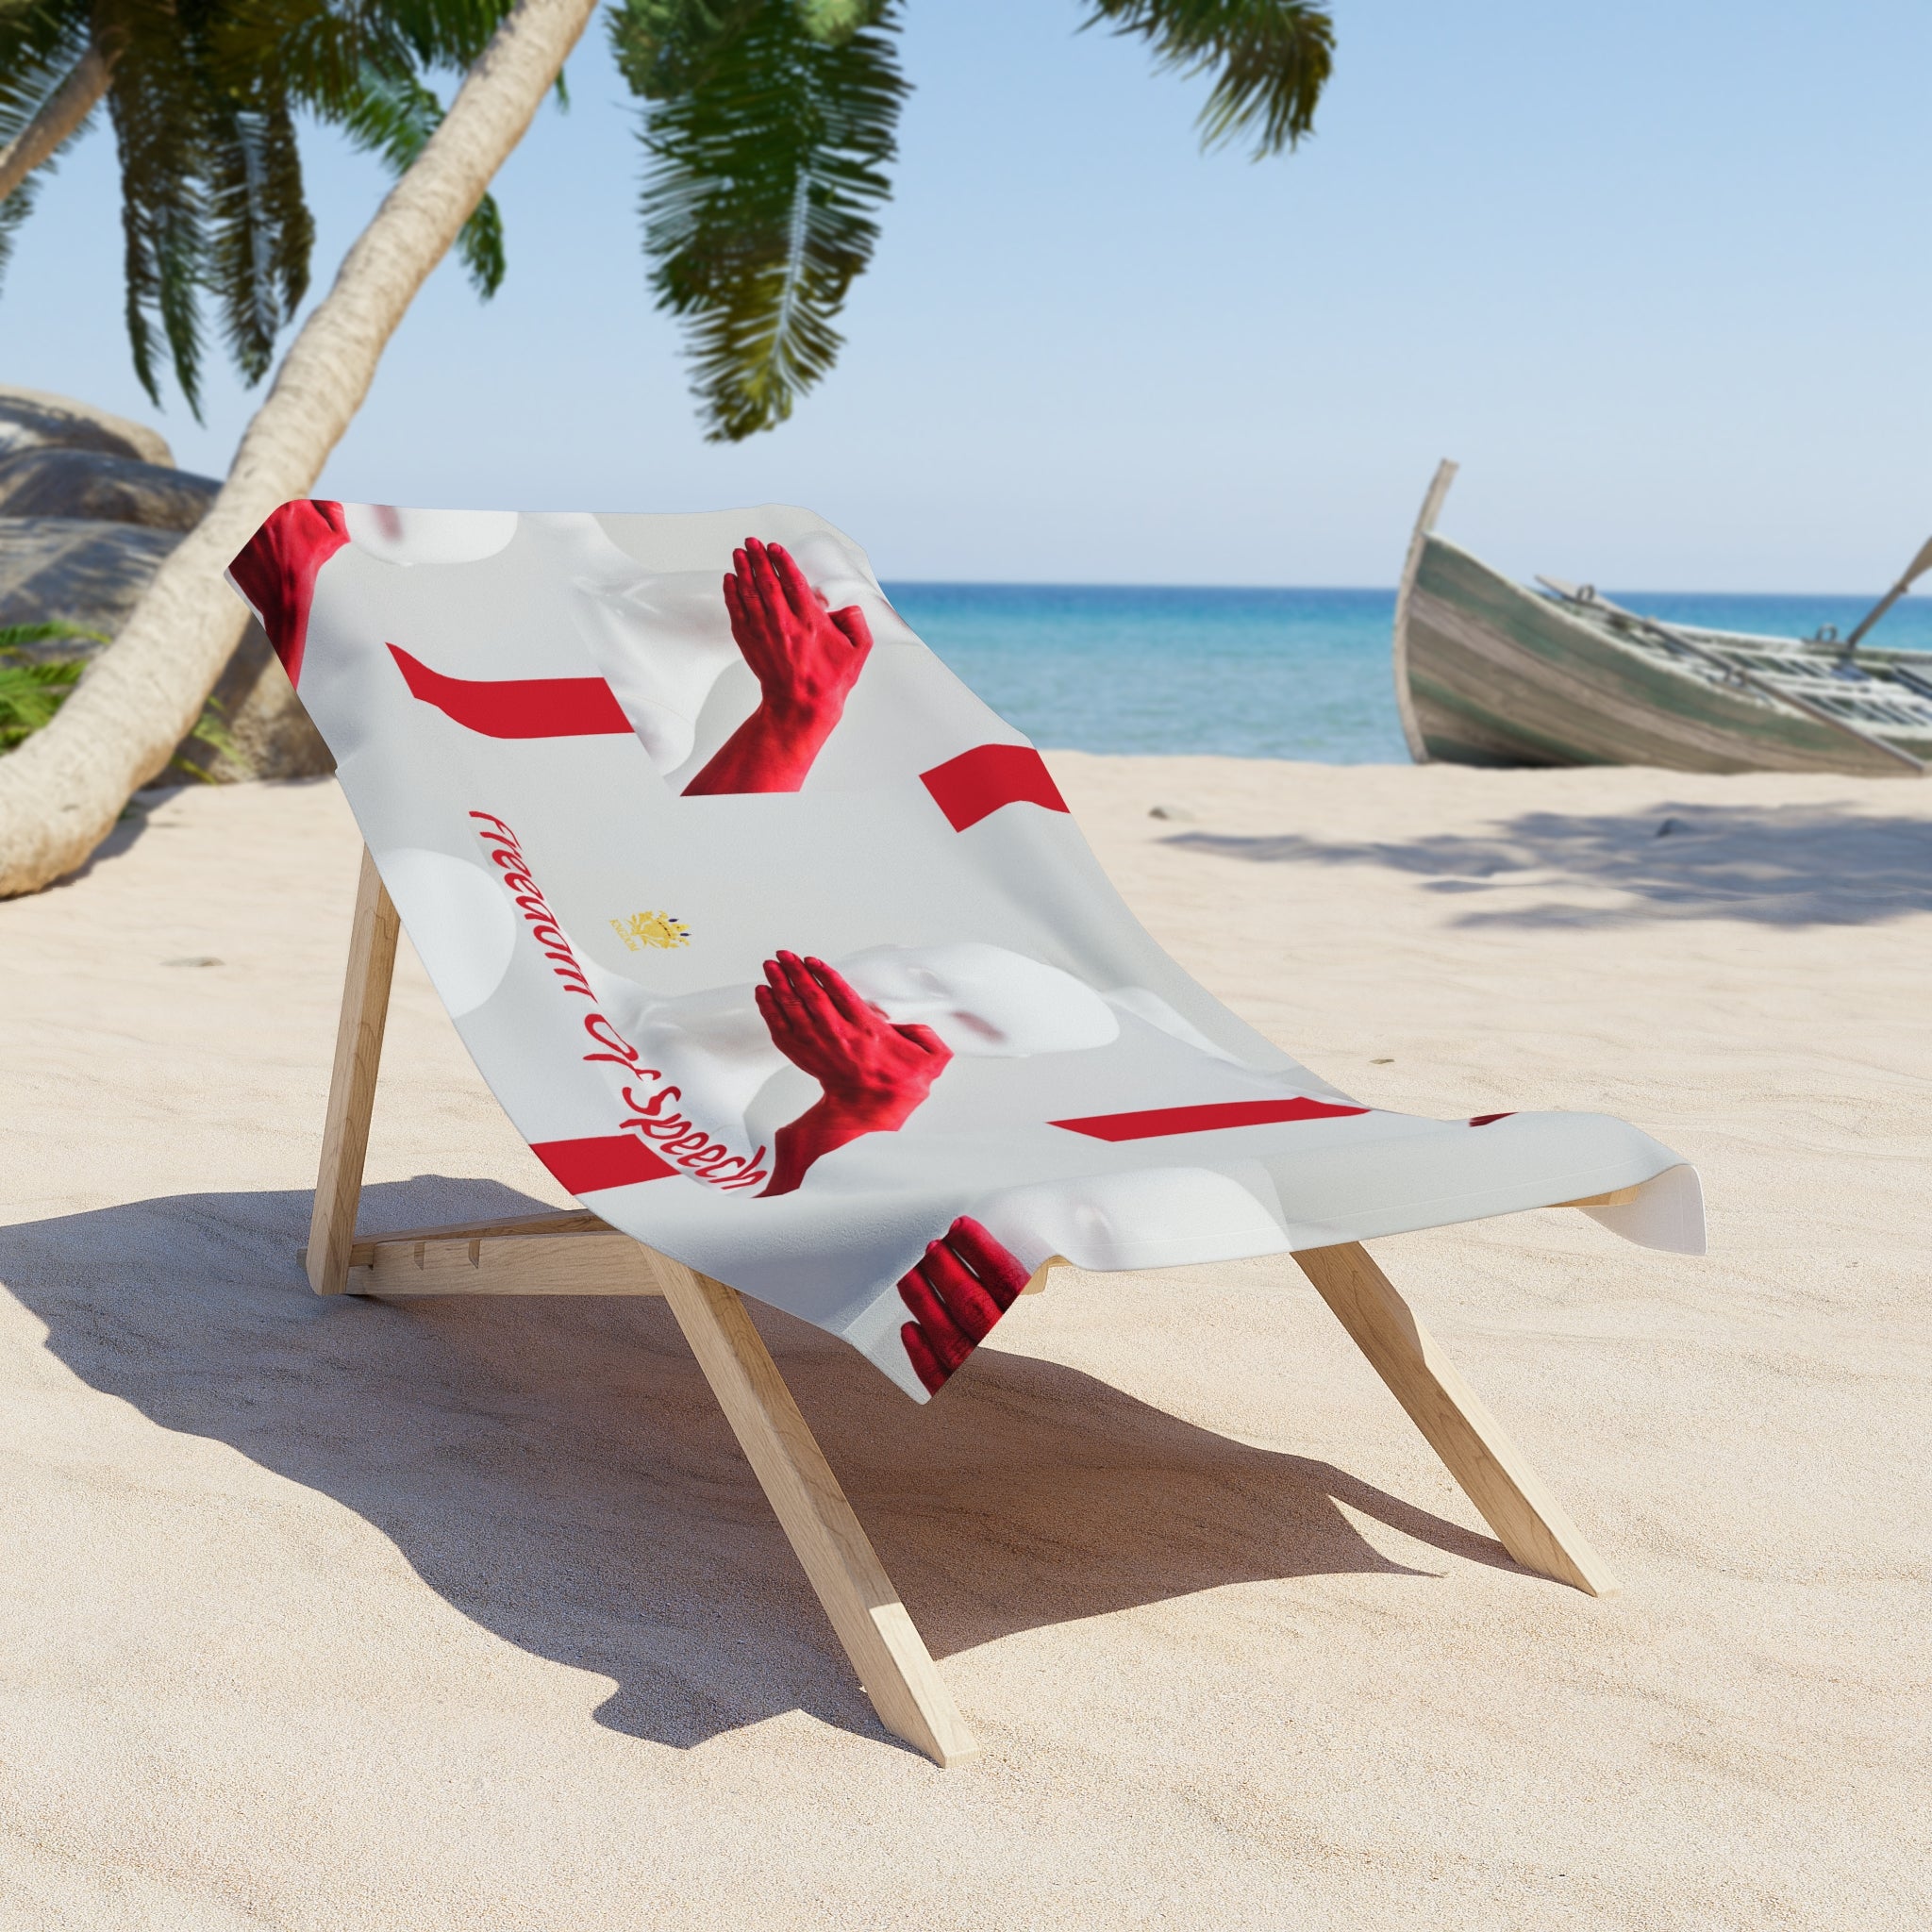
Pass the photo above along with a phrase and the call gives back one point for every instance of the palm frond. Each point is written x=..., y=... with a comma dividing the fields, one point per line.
x=668, y=48
x=158, y=106
x=13, y=211
x=766, y=148
x=839, y=20
x=29, y=697
x=446, y=33
x=39, y=46
x=260, y=231
x=31, y=689
x=209, y=729
x=46, y=630
x=391, y=113
x=1270, y=58
x=358, y=66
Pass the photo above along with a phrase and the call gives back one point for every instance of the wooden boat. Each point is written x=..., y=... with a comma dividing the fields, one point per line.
x=1490, y=672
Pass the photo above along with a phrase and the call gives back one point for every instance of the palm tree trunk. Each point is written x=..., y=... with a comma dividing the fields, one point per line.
x=61, y=113
x=61, y=791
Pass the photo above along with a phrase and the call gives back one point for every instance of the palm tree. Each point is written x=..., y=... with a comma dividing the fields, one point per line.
x=768, y=126
x=203, y=98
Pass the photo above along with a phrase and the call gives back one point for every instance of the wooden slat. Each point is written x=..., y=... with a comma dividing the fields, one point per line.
x=1528, y=1521
x=482, y=1258
x=579, y=1263
x=352, y=1083
x=891, y=1660
x=552, y=1221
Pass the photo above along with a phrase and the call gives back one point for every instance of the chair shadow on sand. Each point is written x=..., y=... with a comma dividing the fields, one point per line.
x=557, y=1469
x=1787, y=865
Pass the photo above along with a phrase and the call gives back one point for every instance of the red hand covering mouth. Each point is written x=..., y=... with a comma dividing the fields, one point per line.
x=277, y=573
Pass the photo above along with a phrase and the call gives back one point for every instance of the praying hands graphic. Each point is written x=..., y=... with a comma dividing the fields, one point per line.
x=806, y=659
x=873, y=1073
x=874, y=1076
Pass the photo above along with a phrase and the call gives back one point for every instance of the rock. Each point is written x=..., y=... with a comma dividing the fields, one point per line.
x=93, y=573
x=76, y=570
x=90, y=503
x=1178, y=813
x=92, y=485
x=32, y=419
x=264, y=719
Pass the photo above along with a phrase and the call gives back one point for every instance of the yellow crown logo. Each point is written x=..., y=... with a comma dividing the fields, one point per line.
x=650, y=929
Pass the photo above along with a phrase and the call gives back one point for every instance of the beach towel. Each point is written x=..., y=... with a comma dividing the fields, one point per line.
x=784, y=954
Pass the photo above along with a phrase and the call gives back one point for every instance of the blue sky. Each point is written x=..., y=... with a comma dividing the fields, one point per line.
x=1655, y=274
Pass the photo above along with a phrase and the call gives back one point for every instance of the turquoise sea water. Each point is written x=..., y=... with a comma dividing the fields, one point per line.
x=1301, y=673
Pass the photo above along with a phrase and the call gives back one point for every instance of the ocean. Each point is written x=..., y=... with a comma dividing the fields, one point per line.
x=1254, y=674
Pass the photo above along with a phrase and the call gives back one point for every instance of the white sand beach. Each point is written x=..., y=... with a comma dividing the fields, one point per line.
x=468, y=1614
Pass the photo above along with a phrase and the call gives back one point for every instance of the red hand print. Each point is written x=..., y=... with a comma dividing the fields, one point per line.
x=806, y=659
x=964, y=1285
x=874, y=1073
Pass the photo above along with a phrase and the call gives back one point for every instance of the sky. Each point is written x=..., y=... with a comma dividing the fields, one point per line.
x=1655, y=276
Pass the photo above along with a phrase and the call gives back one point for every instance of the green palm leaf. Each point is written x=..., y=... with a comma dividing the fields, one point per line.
x=260, y=228
x=158, y=105
x=39, y=46
x=1271, y=59
x=768, y=128
x=203, y=100
x=389, y=113
x=33, y=688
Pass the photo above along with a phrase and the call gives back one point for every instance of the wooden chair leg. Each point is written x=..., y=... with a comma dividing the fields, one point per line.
x=891, y=1660
x=1527, y=1519
x=352, y=1085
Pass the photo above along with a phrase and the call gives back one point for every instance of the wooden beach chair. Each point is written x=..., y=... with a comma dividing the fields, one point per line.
x=575, y=1251
x=1303, y=1128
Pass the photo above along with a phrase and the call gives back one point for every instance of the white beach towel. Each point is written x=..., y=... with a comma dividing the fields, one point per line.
x=783, y=953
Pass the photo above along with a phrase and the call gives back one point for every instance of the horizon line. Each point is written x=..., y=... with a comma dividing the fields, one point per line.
x=1350, y=589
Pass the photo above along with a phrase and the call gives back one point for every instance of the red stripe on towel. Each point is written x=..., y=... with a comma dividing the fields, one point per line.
x=1203, y=1119
x=976, y=783
x=1482, y=1119
x=605, y=1161
x=517, y=706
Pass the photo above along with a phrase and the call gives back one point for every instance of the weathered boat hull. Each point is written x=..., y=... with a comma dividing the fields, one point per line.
x=1490, y=674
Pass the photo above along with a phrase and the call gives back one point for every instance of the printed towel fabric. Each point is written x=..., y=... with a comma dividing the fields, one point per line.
x=781, y=949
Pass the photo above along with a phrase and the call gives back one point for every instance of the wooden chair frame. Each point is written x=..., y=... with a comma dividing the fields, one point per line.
x=574, y=1252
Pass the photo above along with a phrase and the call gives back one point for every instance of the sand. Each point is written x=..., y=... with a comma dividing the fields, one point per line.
x=468, y=1615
